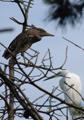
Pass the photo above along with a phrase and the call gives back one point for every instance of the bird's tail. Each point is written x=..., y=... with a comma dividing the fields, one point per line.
x=6, y=54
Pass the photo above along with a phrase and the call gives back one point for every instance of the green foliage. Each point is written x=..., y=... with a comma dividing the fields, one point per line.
x=64, y=11
x=53, y=1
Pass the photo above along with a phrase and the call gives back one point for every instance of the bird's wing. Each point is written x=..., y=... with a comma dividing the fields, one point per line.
x=14, y=44
x=22, y=39
x=21, y=43
x=71, y=86
x=17, y=41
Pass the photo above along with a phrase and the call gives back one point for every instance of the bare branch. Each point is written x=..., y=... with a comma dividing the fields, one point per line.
x=73, y=43
x=6, y=30
x=24, y=102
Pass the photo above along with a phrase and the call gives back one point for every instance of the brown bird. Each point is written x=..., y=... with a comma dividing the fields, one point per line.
x=24, y=41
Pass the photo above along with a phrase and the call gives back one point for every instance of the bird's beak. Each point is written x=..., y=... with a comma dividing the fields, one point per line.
x=48, y=34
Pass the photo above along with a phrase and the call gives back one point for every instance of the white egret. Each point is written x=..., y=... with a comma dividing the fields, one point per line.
x=70, y=84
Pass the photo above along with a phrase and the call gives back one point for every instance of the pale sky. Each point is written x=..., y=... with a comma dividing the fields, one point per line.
x=75, y=60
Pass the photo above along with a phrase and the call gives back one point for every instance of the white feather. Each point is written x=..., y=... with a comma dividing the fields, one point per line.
x=71, y=86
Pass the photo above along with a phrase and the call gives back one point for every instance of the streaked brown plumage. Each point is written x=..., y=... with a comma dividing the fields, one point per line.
x=24, y=41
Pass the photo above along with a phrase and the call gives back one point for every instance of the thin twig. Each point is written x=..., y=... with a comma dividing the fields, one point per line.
x=66, y=53
x=6, y=30
x=73, y=43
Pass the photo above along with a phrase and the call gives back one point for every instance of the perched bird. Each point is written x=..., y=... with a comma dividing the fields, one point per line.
x=24, y=41
x=71, y=87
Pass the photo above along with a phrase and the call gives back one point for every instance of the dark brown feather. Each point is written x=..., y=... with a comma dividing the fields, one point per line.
x=24, y=41
x=20, y=44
